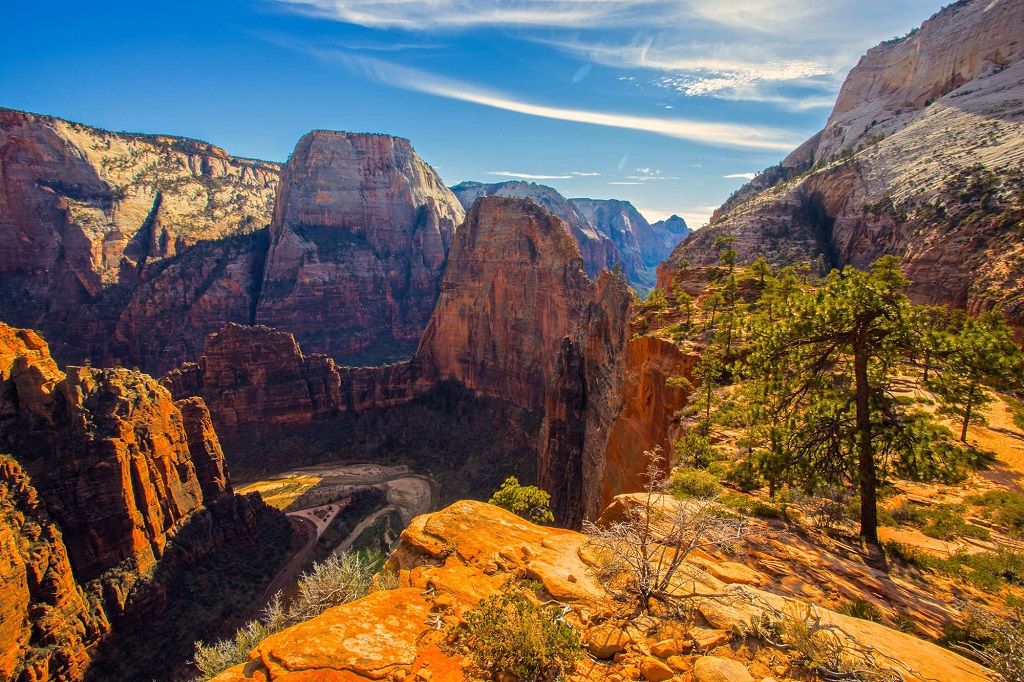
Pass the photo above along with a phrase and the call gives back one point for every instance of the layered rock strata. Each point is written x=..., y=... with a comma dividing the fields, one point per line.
x=120, y=470
x=607, y=404
x=514, y=288
x=87, y=217
x=920, y=158
x=359, y=242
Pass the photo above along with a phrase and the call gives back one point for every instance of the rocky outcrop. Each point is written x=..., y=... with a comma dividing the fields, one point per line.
x=360, y=235
x=449, y=561
x=47, y=625
x=920, y=159
x=88, y=216
x=598, y=250
x=121, y=470
x=608, y=403
x=640, y=246
x=514, y=288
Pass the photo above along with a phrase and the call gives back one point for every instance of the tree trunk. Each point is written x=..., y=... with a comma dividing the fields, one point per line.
x=967, y=415
x=866, y=457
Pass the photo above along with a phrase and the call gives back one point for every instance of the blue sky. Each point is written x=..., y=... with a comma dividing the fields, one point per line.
x=666, y=103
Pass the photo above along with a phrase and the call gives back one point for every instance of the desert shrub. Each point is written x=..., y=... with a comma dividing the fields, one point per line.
x=989, y=571
x=996, y=642
x=830, y=509
x=508, y=634
x=861, y=608
x=886, y=518
x=946, y=523
x=1005, y=507
x=744, y=476
x=694, y=483
x=338, y=580
x=641, y=555
x=908, y=513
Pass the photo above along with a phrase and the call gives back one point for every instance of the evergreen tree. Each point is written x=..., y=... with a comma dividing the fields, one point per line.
x=982, y=353
x=831, y=357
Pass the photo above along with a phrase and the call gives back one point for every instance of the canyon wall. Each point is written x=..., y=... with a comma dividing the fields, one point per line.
x=640, y=246
x=105, y=469
x=359, y=242
x=921, y=158
x=608, y=403
x=514, y=288
x=89, y=220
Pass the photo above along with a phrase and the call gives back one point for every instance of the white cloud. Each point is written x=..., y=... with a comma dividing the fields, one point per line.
x=625, y=183
x=712, y=133
x=585, y=175
x=528, y=176
x=427, y=15
x=745, y=176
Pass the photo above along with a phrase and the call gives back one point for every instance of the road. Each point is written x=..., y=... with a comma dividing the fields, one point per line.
x=316, y=520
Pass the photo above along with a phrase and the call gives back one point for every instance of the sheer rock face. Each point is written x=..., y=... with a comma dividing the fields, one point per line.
x=641, y=247
x=606, y=405
x=258, y=378
x=514, y=288
x=120, y=469
x=110, y=451
x=87, y=217
x=359, y=240
x=902, y=168
x=672, y=230
x=46, y=623
x=598, y=250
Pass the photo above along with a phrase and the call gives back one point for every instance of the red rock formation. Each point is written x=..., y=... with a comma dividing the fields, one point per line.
x=87, y=217
x=920, y=159
x=204, y=448
x=648, y=412
x=607, y=404
x=259, y=378
x=360, y=235
x=514, y=288
x=46, y=623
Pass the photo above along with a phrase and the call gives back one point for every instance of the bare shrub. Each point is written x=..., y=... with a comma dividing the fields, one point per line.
x=640, y=555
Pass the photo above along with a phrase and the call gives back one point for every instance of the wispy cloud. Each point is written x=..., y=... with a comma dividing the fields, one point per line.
x=427, y=15
x=737, y=176
x=529, y=176
x=718, y=134
x=625, y=183
x=585, y=175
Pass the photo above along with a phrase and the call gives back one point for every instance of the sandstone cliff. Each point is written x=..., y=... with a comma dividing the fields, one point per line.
x=118, y=470
x=514, y=288
x=599, y=252
x=46, y=622
x=921, y=158
x=87, y=216
x=607, y=403
x=359, y=241
x=258, y=379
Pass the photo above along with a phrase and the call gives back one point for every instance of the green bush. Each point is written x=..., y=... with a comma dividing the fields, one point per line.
x=744, y=476
x=861, y=608
x=509, y=634
x=528, y=501
x=946, y=522
x=694, y=483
